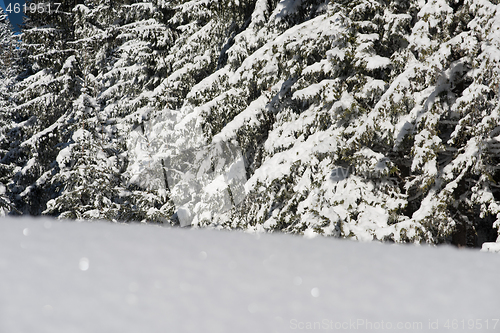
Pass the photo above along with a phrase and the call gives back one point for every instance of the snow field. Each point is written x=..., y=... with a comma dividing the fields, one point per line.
x=103, y=277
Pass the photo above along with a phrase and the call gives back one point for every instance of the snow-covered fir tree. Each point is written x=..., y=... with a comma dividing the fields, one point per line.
x=83, y=79
x=40, y=119
x=119, y=46
x=7, y=55
x=11, y=65
x=333, y=116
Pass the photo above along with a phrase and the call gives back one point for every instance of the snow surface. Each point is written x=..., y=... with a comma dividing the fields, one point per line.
x=59, y=276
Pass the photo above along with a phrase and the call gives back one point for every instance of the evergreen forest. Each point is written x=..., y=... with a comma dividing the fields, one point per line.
x=361, y=119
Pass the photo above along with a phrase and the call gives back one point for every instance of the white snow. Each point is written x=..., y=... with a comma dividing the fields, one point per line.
x=374, y=62
x=103, y=277
x=491, y=247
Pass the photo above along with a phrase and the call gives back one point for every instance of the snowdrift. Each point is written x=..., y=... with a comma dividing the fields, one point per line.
x=103, y=277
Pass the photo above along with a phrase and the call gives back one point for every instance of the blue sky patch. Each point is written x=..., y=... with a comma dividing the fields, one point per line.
x=10, y=8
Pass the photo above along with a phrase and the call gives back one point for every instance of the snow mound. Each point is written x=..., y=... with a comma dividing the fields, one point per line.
x=104, y=277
